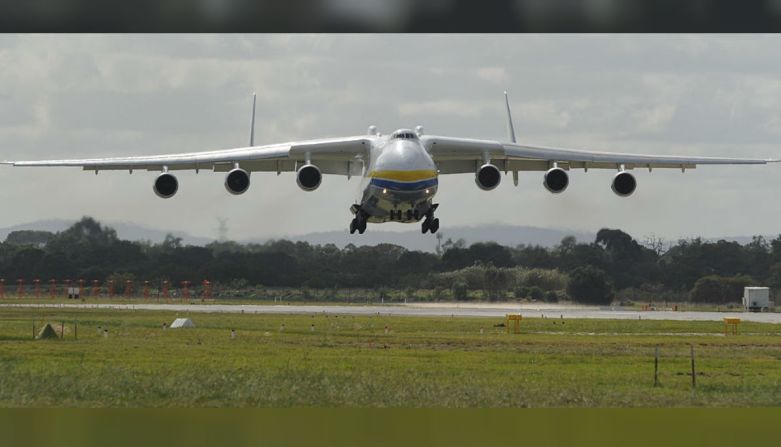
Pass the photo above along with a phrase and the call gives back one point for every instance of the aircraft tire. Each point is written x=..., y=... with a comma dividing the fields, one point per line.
x=353, y=226
x=434, y=227
x=424, y=227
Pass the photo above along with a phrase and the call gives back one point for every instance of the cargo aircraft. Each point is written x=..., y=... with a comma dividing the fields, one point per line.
x=399, y=171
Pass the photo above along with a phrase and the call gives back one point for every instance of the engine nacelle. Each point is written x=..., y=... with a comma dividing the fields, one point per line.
x=237, y=181
x=556, y=180
x=309, y=177
x=165, y=185
x=624, y=184
x=488, y=177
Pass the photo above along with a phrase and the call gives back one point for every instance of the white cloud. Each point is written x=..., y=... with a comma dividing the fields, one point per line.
x=497, y=75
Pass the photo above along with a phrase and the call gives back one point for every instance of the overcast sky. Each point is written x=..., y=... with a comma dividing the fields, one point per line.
x=92, y=96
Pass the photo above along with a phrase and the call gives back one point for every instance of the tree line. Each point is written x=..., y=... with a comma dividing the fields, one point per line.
x=614, y=266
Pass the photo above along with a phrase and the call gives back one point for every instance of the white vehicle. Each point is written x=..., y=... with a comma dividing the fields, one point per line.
x=399, y=170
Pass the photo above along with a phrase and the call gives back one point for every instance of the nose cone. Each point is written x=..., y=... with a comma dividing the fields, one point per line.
x=403, y=155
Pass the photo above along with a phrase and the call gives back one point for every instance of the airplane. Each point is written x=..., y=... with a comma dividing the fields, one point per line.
x=399, y=171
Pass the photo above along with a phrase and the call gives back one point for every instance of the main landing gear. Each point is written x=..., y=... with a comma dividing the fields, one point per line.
x=430, y=223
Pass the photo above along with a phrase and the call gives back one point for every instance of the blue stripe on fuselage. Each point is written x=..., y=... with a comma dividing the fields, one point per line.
x=403, y=186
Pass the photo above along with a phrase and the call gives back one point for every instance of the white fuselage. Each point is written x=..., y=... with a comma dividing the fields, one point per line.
x=400, y=180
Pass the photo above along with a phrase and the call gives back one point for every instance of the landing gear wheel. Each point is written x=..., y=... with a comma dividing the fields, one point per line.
x=424, y=227
x=361, y=226
x=434, y=226
x=353, y=226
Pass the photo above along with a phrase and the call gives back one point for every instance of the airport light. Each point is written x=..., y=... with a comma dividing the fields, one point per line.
x=185, y=290
x=207, y=289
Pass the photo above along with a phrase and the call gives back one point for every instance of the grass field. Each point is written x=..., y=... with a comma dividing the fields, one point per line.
x=351, y=361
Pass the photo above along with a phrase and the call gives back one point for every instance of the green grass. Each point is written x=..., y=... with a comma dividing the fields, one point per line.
x=350, y=361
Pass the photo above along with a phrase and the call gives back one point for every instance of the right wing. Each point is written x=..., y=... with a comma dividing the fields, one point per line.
x=343, y=156
x=464, y=155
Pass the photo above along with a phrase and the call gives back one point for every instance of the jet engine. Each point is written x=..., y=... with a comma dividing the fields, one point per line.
x=556, y=180
x=237, y=181
x=488, y=177
x=166, y=185
x=624, y=184
x=309, y=177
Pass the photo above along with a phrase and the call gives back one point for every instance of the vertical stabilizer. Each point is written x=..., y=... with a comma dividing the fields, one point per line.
x=510, y=129
x=252, y=123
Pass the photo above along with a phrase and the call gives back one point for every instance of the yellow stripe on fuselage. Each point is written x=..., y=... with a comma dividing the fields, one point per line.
x=404, y=176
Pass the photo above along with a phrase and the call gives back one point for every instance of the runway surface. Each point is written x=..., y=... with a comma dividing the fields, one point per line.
x=434, y=309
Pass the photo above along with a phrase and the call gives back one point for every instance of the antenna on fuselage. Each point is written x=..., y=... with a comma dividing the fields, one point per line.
x=510, y=129
x=252, y=123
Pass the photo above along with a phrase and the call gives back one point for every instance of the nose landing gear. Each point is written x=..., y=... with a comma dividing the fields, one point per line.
x=359, y=221
x=358, y=224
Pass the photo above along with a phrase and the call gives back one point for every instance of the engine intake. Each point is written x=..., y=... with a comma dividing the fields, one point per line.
x=556, y=180
x=309, y=177
x=488, y=177
x=237, y=181
x=624, y=184
x=166, y=185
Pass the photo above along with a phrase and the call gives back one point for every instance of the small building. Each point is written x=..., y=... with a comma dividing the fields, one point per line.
x=756, y=299
x=181, y=323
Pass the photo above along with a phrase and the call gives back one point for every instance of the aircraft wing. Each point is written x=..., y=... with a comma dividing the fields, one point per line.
x=463, y=155
x=332, y=155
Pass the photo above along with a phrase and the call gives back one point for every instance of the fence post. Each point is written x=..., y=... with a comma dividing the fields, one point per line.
x=694, y=373
x=656, y=367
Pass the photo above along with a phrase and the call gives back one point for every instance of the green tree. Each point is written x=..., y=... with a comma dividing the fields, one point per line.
x=589, y=285
x=29, y=237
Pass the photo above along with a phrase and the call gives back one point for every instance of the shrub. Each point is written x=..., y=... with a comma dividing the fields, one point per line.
x=459, y=290
x=521, y=292
x=719, y=289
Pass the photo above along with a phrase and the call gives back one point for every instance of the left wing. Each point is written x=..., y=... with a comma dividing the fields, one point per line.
x=342, y=156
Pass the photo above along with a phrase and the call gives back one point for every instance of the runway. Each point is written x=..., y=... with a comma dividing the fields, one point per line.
x=431, y=309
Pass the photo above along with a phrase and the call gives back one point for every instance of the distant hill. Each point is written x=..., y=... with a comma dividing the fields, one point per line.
x=509, y=235
x=412, y=240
